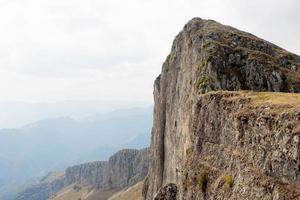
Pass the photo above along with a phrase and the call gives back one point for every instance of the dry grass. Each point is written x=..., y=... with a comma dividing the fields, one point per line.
x=273, y=98
x=68, y=193
x=134, y=193
x=101, y=195
x=279, y=100
x=54, y=175
x=293, y=77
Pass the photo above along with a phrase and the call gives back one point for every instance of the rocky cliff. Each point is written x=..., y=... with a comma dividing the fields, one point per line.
x=88, y=174
x=228, y=144
x=125, y=168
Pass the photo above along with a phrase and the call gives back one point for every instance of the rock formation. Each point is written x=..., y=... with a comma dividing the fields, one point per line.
x=228, y=144
x=88, y=174
x=125, y=168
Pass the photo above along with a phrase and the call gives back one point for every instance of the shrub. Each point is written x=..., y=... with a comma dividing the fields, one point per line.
x=202, y=181
x=76, y=188
x=228, y=180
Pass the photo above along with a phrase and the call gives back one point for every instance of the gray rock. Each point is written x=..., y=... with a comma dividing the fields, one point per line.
x=219, y=139
x=88, y=174
x=126, y=168
x=167, y=192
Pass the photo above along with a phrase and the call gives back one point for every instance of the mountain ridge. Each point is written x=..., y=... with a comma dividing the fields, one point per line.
x=123, y=169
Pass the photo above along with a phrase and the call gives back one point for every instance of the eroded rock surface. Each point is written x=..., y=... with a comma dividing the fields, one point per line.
x=126, y=168
x=226, y=145
x=86, y=174
x=167, y=192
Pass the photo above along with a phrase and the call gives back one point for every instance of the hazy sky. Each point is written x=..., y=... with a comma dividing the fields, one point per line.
x=54, y=50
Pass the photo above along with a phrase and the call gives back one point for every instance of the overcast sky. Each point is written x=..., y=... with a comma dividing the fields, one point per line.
x=55, y=50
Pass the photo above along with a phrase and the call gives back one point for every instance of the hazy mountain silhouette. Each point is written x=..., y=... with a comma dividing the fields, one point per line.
x=56, y=143
x=17, y=114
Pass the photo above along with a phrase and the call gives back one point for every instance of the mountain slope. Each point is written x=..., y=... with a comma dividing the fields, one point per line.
x=91, y=180
x=225, y=145
x=53, y=144
x=134, y=192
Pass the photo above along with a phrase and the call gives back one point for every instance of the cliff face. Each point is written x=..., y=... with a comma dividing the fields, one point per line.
x=88, y=174
x=124, y=168
x=225, y=145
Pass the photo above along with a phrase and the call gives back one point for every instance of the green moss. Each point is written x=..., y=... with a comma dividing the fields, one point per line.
x=228, y=181
x=261, y=56
x=202, y=81
x=214, y=49
x=203, y=181
x=207, y=44
x=200, y=31
x=210, y=49
x=241, y=51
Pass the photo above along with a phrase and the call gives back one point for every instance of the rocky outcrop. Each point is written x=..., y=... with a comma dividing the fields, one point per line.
x=209, y=56
x=168, y=192
x=225, y=145
x=125, y=168
x=88, y=174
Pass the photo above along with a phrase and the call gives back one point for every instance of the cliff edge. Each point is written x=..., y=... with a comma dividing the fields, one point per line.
x=222, y=129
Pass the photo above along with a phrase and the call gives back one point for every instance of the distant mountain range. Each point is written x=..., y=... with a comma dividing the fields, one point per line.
x=55, y=143
x=92, y=180
x=18, y=114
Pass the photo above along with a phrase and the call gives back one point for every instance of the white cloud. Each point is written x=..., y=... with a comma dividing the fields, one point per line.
x=52, y=50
